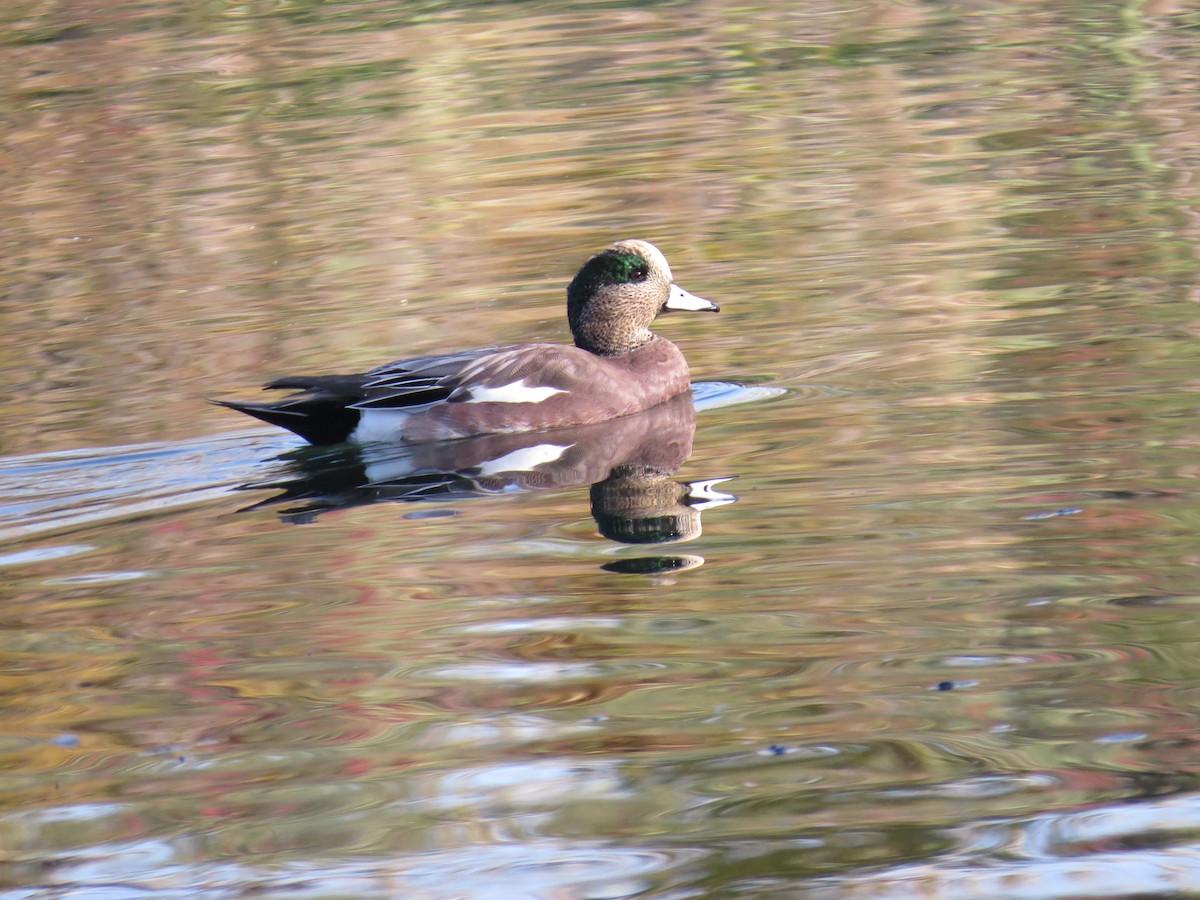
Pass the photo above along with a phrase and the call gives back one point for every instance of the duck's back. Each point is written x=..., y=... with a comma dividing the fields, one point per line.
x=531, y=387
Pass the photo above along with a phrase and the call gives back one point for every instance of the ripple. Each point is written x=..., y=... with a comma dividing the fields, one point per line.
x=534, y=626
x=543, y=672
x=1050, y=658
x=98, y=578
x=69, y=489
x=535, y=868
x=43, y=554
x=1146, y=873
x=533, y=784
x=719, y=394
x=1121, y=849
x=502, y=730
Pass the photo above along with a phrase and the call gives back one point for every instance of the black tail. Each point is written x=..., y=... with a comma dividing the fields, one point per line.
x=319, y=414
x=333, y=425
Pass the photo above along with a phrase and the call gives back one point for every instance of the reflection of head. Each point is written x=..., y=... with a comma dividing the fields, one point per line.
x=637, y=505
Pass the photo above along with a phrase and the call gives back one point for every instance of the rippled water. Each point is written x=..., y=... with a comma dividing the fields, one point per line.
x=942, y=644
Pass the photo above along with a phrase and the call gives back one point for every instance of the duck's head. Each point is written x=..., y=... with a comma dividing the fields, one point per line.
x=619, y=292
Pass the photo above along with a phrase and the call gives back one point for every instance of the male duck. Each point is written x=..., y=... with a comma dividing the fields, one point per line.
x=617, y=367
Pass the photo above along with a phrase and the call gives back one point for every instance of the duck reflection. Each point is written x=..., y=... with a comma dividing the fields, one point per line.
x=628, y=463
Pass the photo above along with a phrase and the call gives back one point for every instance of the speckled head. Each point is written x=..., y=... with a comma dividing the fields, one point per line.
x=619, y=292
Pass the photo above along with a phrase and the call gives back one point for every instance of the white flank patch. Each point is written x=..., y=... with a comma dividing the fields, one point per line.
x=516, y=392
x=379, y=425
x=524, y=460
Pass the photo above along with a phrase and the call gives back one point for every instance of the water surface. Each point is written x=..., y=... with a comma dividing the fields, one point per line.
x=941, y=645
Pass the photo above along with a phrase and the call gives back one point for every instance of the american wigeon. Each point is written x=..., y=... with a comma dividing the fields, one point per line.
x=617, y=367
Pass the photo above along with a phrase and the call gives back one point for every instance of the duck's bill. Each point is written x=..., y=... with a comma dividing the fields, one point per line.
x=682, y=300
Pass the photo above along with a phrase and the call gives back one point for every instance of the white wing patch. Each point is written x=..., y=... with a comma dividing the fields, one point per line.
x=516, y=392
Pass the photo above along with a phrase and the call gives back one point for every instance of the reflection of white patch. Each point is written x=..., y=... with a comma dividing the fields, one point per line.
x=390, y=462
x=524, y=460
x=517, y=392
x=379, y=425
x=704, y=495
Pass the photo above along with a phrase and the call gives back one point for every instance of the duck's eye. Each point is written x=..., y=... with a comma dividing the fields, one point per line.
x=621, y=268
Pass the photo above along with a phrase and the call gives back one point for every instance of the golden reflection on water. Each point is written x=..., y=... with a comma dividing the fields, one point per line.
x=952, y=608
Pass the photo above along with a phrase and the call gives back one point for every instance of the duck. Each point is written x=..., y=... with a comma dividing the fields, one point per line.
x=616, y=367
